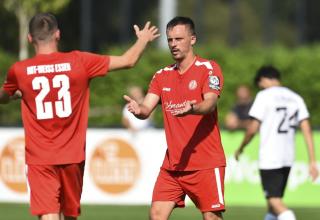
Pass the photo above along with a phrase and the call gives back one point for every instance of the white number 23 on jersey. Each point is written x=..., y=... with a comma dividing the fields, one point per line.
x=62, y=105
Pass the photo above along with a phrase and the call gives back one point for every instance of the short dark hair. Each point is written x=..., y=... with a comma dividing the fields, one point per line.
x=42, y=26
x=269, y=72
x=184, y=21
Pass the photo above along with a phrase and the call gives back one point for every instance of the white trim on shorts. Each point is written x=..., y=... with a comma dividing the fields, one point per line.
x=219, y=188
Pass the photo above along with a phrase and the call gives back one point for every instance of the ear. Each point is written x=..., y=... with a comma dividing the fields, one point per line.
x=193, y=40
x=30, y=38
x=57, y=35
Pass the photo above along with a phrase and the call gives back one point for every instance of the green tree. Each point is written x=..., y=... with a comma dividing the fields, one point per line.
x=24, y=10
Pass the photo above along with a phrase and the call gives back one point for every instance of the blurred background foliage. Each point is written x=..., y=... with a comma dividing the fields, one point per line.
x=240, y=35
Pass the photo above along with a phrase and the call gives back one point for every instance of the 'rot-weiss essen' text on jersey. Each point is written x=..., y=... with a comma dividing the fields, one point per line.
x=193, y=141
x=55, y=103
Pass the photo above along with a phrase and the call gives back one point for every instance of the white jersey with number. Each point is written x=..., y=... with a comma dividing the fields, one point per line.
x=280, y=111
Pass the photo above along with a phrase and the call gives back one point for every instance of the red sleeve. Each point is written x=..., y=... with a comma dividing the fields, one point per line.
x=94, y=64
x=10, y=85
x=154, y=85
x=214, y=80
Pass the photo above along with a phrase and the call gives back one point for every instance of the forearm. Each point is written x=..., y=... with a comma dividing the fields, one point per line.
x=129, y=58
x=203, y=108
x=307, y=133
x=251, y=131
x=132, y=55
x=206, y=106
x=144, y=112
x=248, y=137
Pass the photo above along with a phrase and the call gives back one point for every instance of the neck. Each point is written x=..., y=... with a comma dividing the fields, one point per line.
x=275, y=83
x=46, y=48
x=185, y=63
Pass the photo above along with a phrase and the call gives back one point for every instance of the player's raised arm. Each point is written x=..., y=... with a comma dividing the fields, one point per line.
x=132, y=55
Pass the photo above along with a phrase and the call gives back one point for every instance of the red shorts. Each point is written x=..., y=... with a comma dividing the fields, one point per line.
x=204, y=187
x=55, y=188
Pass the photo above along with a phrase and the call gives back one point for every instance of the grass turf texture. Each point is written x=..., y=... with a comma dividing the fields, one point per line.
x=13, y=211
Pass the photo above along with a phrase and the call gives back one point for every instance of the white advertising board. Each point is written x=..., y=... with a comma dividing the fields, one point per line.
x=121, y=167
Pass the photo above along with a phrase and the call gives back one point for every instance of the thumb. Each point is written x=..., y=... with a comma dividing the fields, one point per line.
x=193, y=102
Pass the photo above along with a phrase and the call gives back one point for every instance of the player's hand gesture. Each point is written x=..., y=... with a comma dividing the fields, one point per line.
x=313, y=170
x=16, y=95
x=238, y=153
x=188, y=109
x=132, y=105
x=148, y=33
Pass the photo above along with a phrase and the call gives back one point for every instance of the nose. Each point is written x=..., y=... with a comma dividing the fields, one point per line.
x=172, y=43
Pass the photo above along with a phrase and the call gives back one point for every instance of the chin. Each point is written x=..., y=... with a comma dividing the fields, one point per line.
x=176, y=57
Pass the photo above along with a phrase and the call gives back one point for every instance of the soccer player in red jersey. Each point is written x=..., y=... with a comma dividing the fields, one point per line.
x=194, y=162
x=55, y=103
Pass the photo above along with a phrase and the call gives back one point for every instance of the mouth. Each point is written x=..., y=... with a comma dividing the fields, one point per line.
x=175, y=51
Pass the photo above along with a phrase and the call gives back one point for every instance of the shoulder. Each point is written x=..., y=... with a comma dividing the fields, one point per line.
x=297, y=97
x=21, y=65
x=165, y=71
x=77, y=53
x=210, y=67
x=263, y=94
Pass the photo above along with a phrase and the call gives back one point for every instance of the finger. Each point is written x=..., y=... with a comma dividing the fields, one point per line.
x=155, y=36
x=153, y=28
x=147, y=25
x=155, y=31
x=127, y=98
x=136, y=28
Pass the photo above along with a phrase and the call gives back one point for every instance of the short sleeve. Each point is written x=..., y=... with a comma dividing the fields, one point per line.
x=10, y=85
x=303, y=111
x=94, y=64
x=154, y=84
x=214, y=79
x=258, y=107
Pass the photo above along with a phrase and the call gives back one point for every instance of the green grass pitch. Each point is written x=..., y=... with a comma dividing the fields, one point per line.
x=13, y=211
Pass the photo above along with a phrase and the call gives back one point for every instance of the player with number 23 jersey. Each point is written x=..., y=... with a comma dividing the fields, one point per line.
x=55, y=103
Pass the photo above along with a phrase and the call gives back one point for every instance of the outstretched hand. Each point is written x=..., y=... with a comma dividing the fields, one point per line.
x=132, y=105
x=148, y=33
x=188, y=109
x=314, y=172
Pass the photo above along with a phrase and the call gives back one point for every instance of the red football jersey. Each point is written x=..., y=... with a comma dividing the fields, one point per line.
x=193, y=141
x=55, y=103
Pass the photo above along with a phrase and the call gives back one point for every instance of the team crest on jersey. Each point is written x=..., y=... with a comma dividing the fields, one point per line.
x=193, y=84
x=214, y=82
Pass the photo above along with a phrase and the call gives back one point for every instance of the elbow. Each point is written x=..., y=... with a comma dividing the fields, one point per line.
x=129, y=62
x=130, y=65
